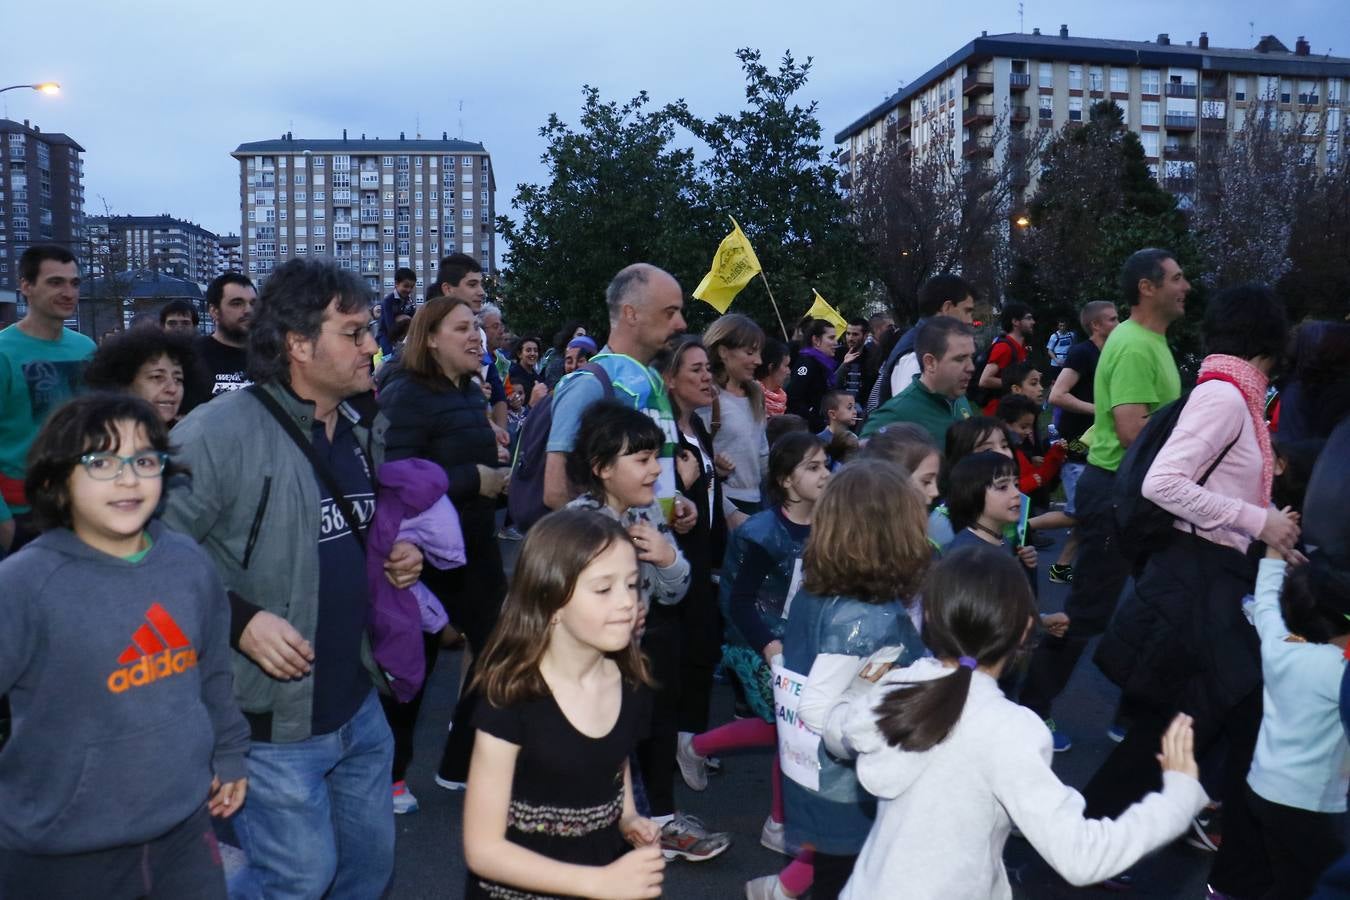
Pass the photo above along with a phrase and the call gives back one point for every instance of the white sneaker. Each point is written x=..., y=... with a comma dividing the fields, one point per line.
x=766, y=887
x=450, y=785
x=404, y=801
x=773, y=836
x=692, y=766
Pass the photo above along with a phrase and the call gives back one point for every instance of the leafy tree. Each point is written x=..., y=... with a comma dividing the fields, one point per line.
x=1095, y=203
x=618, y=192
x=1318, y=283
x=766, y=166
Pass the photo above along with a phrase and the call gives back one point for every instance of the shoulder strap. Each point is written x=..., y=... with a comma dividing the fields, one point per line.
x=716, y=421
x=301, y=440
x=601, y=375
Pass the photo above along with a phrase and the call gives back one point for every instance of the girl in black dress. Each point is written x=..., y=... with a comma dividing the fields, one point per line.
x=549, y=810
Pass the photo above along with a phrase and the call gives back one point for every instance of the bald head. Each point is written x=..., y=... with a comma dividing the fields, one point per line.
x=645, y=309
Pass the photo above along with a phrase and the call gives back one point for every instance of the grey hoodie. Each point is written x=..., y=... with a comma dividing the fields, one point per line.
x=118, y=674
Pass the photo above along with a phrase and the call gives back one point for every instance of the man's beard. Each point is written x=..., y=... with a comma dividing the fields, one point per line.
x=236, y=333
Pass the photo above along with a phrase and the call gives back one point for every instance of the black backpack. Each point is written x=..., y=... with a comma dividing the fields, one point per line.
x=525, y=499
x=979, y=397
x=1142, y=526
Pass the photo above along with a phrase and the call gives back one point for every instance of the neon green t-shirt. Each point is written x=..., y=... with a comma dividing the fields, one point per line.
x=1136, y=366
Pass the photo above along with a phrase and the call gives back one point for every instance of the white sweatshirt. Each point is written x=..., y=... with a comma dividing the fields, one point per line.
x=944, y=814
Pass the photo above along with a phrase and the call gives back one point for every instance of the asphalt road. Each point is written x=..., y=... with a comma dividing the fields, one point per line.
x=430, y=859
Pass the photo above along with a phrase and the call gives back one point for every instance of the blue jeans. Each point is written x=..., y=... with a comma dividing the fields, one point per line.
x=319, y=817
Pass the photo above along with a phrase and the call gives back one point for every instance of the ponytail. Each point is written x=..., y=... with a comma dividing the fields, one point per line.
x=918, y=717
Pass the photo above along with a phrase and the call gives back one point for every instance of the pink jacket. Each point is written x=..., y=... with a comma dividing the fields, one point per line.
x=1227, y=509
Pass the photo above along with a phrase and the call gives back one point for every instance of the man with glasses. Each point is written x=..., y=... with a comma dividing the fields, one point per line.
x=278, y=473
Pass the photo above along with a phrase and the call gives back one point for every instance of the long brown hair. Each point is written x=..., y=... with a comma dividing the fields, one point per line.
x=869, y=535
x=735, y=332
x=976, y=604
x=557, y=550
x=417, y=356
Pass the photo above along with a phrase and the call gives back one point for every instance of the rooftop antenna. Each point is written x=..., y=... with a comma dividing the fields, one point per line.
x=419, y=126
x=1020, y=25
x=461, y=120
x=1251, y=32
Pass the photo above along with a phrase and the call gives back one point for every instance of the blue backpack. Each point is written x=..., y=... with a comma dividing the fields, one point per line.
x=525, y=499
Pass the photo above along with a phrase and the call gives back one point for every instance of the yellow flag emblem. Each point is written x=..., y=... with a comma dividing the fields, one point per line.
x=822, y=310
x=733, y=266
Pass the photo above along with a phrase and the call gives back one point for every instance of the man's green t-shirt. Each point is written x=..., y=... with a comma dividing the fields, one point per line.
x=1136, y=366
x=36, y=376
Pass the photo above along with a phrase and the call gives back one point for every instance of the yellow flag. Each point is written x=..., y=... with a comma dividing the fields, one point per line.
x=732, y=268
x=822, y=310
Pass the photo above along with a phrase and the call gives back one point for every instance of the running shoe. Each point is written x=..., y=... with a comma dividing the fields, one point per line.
x=509, y=533
x=773, y=836
x=686, y=837
x=450, y=785
x=766, y=887
x=404, y=801
x=1206, y=832
x=1061, y=740
x=1061, y=574
x=692, y=766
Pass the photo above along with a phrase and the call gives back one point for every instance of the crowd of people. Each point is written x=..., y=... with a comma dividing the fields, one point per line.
x=232, y=560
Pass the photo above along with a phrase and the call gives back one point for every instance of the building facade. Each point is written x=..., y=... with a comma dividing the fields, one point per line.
x=41, y=198
x=1183, y=100
x=374, y=205
x=163, y=243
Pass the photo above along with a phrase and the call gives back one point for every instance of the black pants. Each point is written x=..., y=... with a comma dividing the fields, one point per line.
x=182, y=864
x=656, y=752
x=700, y=651
x=831, y=874
x=402, y=717
x=1301, y=845
x=1241, y=867
x=1099, y=576
x=472, y=596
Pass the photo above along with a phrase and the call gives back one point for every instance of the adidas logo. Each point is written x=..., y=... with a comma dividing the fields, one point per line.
x=154, y=653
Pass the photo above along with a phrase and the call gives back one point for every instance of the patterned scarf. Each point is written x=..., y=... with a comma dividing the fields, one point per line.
x=1252, y=383
x=775, y=402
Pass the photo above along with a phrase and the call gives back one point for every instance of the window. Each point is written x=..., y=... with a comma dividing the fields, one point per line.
x=1120, y=80
x=388, y=213
x=388, y=246
x=1075, y=78
x=417, y=196
x=483, y=217
x=466, y=178
x=388, y=162
x=320, y=213
x=1333, y=92
x=448, y=162
x=283, y=215
x=435, y=196
x=466, y=214
x=301, y=213
x=320, y=248
x=483, y=197
x=388, y=196
x=301, y=197
x=417, y=230
x=388, y=231
x=1149, y=112
x=402, y=248
x=403, y=162
x=320, y=196
x=281, y=162
x=285, y=249
x=1286, y=90
x=301, y=249
x=466, y=160
x=466, y=196
x=1075, y=109
x=1150, y=141
x=317, y=162
x=417, y=162
x=1095, y=82
x=1268, y=87
x=1239, y=89
x=1307, y=93
x=1150, y=81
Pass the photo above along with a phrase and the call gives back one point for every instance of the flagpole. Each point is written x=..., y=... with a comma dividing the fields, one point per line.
x=775, y=306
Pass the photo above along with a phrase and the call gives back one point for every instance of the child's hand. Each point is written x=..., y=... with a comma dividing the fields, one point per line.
x=1055, y=623
x=638, y=873
x=640, y=623
x=651, y=546
x=639, y=830
x=772, y=649
x=226, y=798
x=1178, y=748
x=1027, y=554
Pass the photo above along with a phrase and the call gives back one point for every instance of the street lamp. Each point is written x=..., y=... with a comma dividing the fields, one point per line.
x=43, y=87
x=1022, y=221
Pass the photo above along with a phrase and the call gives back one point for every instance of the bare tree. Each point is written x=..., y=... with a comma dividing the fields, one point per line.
x=944, y=206
x=1250, y=190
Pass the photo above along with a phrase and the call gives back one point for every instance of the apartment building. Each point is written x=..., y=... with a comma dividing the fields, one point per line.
x=229, y=254
x=163, y=243
x=1183, y=100
x=374, y=205
x=41, y=198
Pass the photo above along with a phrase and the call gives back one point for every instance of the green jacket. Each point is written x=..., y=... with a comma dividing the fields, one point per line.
x=252, y=502
x=933, y=412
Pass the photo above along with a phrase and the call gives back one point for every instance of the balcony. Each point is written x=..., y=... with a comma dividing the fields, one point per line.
x=1179, y=184
x=1185, y=91
x=1180, y=154
x=1214, y=91
x=370, y=180
x=370, y=215
x=370, y=266
x=1214, y=123
x=1019, y=81
x=977, y=147
x=1180, y=122
x=978, y=114
x=1021, y=113
x=978, y=83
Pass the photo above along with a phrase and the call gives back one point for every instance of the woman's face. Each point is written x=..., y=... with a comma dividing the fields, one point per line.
x=692, y=384
x=739, y=362
x=807, y=481
x=159, y=382
x=455, y=345
x=774, y=378
x=925, y=476
x=529, y=354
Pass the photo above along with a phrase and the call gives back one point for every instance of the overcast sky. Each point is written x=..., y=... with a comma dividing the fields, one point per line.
x=159, y=93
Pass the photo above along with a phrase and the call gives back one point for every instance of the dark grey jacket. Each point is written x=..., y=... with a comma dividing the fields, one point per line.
x=253, y=504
